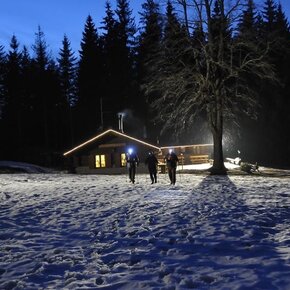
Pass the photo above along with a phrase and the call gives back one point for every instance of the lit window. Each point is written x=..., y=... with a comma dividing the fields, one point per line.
x=123, y=159
x=100, y=161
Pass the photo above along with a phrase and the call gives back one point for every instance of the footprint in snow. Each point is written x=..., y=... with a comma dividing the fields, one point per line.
x=207, y=279
x=127, y=190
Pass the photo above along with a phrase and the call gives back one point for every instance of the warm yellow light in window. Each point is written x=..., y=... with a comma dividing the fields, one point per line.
x=123, y=159
x=100, y=161
x=103, y=161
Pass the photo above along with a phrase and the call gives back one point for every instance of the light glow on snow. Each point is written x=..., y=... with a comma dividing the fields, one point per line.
x=61, y=231
x=204, y=166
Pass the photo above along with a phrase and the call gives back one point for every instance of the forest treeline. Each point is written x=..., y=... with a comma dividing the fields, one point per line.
x=49, y=104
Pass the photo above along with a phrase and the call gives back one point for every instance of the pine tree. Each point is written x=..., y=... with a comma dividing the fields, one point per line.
x=90, y=79
x=175, y=38
x=45, y=97
x=172, y=26
x=276, y=98
x=151, y=32
x=282, y=24
x=27, y=96
x=89, y=64
x=248, y=23
x=67, y=75
x=13, y=73
x=2, y=78
x=40, y=49
x=39, y=90
x=14, y=106
x=111, y=101
x=166, y=64
x=126, y=24
x=149, y=43
x=269, y=15
x=3, y=127
x=67, y=72
x=207, y=79
x=126, y=48
x=273, y=33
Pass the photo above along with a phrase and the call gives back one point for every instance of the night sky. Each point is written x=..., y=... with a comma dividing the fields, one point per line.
x=56, y=18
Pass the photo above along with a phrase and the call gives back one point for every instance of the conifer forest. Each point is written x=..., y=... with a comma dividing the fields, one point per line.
x=184, y=72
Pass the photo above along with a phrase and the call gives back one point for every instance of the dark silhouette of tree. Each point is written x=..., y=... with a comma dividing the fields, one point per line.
x=274, y=98
x=269, y=15
x=247, y=27
x=119, y=54
x=111, y=100
x=28, y=113
x=39, y=90
x=2, y=77
x=205, y=61
x=67, y=72
x=208, y=79
x=40, y=49
x=45, y=97
x=247, y=130
x=67, y=68
x=149, y=43
x=169, y=63
x=151, y=32
x=90, y=79
x=14, y=98
x=126, y=49
x=3, y=124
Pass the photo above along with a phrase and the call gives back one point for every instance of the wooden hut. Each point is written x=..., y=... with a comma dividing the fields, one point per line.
x=106, y=153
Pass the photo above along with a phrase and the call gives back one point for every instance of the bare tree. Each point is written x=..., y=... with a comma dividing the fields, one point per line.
x=208, y=72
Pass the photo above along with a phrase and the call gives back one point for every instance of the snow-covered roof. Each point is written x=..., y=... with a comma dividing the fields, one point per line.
x=110, y=131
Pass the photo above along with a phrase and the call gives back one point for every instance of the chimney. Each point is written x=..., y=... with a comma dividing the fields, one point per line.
x=120, y=118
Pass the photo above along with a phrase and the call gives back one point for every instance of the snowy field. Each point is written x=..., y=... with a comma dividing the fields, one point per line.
x=61, y=231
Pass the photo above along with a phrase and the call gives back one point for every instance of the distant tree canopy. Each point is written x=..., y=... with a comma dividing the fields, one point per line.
x=215, y=66
x=189, y=64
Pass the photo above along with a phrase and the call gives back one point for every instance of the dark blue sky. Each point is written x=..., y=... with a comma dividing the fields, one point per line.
x=56, y=17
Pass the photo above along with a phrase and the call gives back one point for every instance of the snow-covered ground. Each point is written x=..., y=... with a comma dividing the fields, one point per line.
x=204, y=166
x=61, y=231
x=14, y=166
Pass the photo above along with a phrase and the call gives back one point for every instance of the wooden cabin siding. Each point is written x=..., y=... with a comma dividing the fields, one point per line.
x=112, y=144
x=190, y=154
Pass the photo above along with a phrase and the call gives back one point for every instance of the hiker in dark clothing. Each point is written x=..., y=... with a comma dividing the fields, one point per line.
x=171, y=160
x=132, y=162
x=152, y=162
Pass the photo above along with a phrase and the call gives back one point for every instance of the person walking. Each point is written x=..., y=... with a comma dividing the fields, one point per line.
x=132, y=162
x=152, y=162
x=171, y=160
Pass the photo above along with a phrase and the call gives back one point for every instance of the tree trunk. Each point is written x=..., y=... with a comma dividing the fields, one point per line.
x=216, y=122
x=218, y=167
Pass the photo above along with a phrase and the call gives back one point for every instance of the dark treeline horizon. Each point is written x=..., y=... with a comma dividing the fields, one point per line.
x=50, y=104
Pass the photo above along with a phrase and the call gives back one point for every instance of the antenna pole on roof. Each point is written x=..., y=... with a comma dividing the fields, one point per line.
x=102, y=117
x=120, y=118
